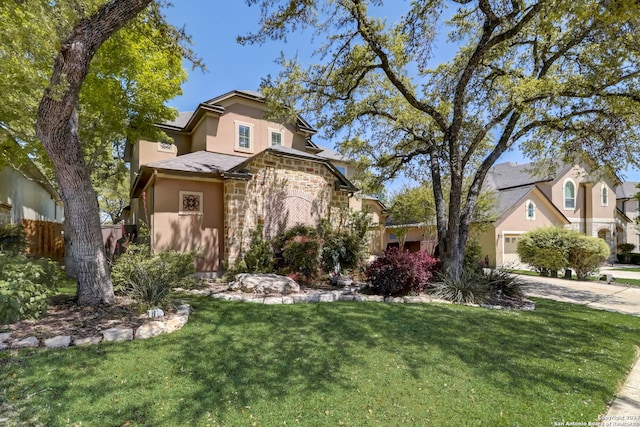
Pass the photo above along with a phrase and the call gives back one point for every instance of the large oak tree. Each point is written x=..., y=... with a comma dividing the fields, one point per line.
x=105, y=68
x=559, y=79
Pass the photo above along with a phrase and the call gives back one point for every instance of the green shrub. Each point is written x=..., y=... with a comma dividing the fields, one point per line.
x=25, y=285
x=147, y=277
x=150, y=283
x=341, y=250
x=125, y=264
x=301, y=255
x=545, y=249
x=585, y=254
x=12, y=238
x=344, y=243
x=634, y=259
x=472, y=255
x=299, y=251
x=259, y=257
x=626, y=248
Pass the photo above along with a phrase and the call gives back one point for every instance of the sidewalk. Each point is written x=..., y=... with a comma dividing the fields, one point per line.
x=625, y=408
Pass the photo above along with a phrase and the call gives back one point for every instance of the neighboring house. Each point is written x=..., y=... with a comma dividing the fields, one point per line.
x=228, y=170
x=627, y=202
x=567, y=198
x=25, y=193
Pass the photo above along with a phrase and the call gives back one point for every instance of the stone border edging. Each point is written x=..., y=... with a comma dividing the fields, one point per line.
x=347, y=294
x=147, y=330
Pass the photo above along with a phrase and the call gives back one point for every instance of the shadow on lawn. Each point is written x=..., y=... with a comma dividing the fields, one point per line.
x=231, y=355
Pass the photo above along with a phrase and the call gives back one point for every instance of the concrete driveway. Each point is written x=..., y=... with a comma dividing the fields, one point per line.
x=598, y=295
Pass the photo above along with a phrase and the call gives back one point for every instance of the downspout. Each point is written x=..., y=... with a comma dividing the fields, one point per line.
x=584, y=210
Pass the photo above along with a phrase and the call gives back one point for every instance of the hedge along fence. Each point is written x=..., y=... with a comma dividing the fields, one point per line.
x=45, y=239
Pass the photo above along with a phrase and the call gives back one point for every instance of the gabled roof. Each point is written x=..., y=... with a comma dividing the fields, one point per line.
x=186, y=121
x=342, y=182
x=508, y=199
x=627, y=190
x=200, y=161
x=509, y=175
x=197, y=164
x=227, y=166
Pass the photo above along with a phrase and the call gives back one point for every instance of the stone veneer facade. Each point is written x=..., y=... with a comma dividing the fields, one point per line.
x=282, y=192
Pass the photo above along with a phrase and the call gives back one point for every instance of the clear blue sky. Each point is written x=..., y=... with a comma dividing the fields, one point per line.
x=214, y=26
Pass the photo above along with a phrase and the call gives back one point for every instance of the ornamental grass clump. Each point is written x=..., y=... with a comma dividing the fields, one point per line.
x=148, y=278
x=469, y=288
x=398, y=273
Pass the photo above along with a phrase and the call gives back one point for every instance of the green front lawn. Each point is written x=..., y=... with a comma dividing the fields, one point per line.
x=335, y=364
x=637, y=270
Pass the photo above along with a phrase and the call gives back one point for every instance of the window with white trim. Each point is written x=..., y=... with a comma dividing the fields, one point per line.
x=569, y=195
x=530, y=210
x=342, y=170
x=190, y=203
x=604, y=195
x=276, y=137
x=244, y=137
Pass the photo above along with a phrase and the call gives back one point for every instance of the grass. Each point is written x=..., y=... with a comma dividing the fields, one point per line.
x=343, y=363
x=623, y=281
x=634, y=269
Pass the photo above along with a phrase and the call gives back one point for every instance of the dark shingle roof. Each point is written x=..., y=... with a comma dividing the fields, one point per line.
x=507, y=198
x=180, y=121
x=510, y=174
x=200, y=161
x=330, y=154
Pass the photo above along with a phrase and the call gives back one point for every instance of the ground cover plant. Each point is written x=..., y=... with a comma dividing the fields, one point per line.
x=343, y=363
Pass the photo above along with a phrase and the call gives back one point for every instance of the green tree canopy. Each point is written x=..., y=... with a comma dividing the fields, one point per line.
x=82, y=77
x=557, y=78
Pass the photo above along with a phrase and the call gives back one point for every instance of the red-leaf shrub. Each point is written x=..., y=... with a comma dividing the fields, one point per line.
x=398, y=273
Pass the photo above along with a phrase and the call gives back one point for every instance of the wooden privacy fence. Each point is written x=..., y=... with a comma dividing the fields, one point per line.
x=44, y=239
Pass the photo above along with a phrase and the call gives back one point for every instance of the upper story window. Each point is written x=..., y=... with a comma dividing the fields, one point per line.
x=275, y=136
x=531, y=210
x=244, y=137
x=342, y=170
x=569, y=195
x=604, y=196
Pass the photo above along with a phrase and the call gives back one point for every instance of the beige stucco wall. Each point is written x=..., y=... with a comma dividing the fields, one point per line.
x=589, y=215
x=202, y=233
x=145, y=152
x=27, y=198
x=283, y=192
x=515, y=223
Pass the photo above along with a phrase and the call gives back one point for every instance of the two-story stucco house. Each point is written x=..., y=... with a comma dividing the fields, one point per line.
x=227, y=170
x=627, y=202
x=568, y=198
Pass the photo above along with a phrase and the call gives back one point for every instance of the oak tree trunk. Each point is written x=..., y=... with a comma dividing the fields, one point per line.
x=57, y=128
